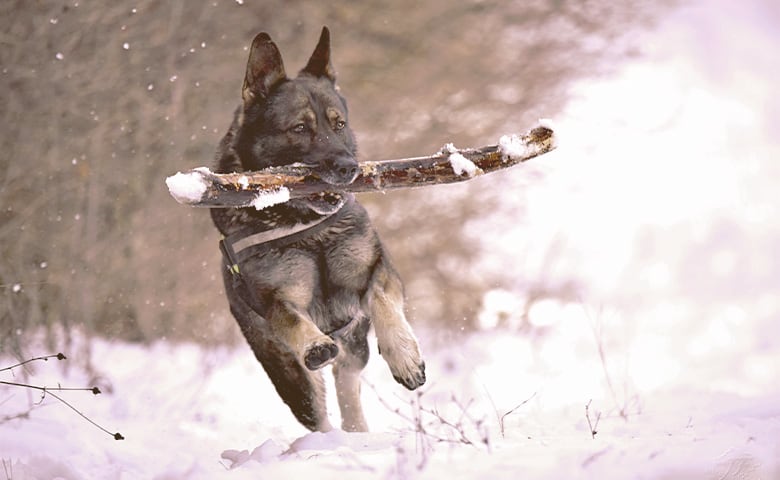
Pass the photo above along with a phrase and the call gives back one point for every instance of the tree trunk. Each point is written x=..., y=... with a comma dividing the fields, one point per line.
x=202, y=188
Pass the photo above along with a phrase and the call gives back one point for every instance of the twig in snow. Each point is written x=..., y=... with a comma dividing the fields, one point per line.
x=49, y=391
x=690, y=422
x=385, y=404
x=503, y=417
x=423, y=441
x=8, y=418
x=628, y=400
x=457, y=426
x=432, y=426
x=592, y=425
x=595, y=456
x=8, y=469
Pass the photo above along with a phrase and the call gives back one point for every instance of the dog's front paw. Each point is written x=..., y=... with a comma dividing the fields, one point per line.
x=405, y=362
x=320, y=354
x=414, y=378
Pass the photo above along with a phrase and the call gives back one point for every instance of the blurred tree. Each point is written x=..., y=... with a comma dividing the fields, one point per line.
x=101, y=101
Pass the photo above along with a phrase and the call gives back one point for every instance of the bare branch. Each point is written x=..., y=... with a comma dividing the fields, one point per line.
x=50, y=391
x=432, y=426
x=503, y=417
x=94, y=390
x=117, y=435
x=8, y=469
x=45, y=358
x=592, y=425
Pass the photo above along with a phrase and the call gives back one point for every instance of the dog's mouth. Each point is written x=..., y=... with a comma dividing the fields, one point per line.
x=339, y=171
x=325, y=203
x=337, y=178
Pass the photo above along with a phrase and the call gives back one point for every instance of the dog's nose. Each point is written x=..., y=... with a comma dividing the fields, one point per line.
x=343, y=167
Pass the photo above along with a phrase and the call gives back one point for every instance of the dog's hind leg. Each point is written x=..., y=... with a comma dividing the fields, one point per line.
x=352, y=359
x=301, y=389
x=397, y=344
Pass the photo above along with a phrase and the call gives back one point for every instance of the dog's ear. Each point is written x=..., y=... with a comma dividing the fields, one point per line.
x=319, y=64
x=264, y=69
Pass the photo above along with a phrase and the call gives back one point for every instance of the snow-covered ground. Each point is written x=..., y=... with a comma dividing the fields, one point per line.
x=190, y=413
x=662, y=208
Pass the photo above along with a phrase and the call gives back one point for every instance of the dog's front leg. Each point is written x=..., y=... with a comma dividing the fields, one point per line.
x=295, y=328
x=347, y=374
x=353, y=357
x=397, y=344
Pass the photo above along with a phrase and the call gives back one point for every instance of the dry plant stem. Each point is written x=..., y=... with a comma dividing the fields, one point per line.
x=456, y=425
x=423, y=426
x=49, y=391
x=8, y=418
x=623, y=407
x=423, y=439
x=503, y=417
x=94, y=390
x=595, y=456
x=592, y=425
x=241, y=189
x=45, y=358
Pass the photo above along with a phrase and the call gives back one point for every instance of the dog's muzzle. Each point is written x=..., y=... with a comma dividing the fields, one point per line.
x=339, y=170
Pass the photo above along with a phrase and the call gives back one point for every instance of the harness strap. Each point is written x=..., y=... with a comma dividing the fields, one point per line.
x=246, y=243
x=239, y=283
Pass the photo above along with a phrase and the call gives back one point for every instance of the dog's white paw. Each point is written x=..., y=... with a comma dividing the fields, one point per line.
x=403, y=356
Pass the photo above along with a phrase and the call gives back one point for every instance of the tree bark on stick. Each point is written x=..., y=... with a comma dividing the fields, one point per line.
x=202, y=188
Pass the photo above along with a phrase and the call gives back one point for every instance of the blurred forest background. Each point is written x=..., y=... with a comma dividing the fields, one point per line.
x=100, y=101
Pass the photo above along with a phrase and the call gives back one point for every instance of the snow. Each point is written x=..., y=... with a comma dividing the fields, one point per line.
x=187, y=187
x=512, y=146
x=197, y=413
x=272, y=197
x=547, y=123
x=461, y=165
x=458, y=162
x=661, y=204
x=243, y=180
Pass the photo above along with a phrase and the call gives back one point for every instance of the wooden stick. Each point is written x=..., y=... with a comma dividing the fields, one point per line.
x=202, y=188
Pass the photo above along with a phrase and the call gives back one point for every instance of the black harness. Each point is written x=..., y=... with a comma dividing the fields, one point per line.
x=239, y=246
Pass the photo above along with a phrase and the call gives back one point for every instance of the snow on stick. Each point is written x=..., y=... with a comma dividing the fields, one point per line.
x=202, y=188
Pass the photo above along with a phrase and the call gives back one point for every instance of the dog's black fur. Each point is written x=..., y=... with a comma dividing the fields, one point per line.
x=336, y=279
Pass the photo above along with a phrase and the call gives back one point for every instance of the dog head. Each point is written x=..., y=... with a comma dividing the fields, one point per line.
x=295, y=120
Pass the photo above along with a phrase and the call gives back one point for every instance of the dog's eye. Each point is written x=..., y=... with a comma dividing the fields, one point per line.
x=299, y=128
x=340, y=124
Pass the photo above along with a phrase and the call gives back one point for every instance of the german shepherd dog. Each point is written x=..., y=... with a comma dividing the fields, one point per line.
x=307, y=299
